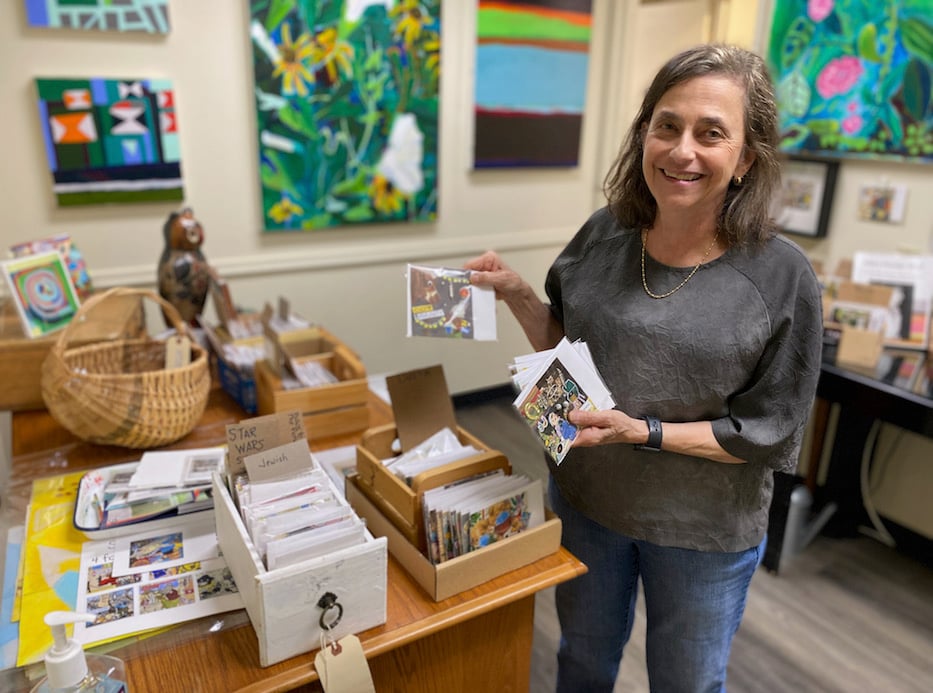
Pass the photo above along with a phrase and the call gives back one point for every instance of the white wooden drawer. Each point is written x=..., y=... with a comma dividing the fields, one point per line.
x=283, y=603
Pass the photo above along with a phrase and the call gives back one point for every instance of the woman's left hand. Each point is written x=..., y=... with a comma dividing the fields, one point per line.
x=608, y=426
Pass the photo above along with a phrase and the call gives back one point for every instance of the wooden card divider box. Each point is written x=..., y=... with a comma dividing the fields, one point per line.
x=21, y=357
x=283, y=603
x=328, y=410
x=402, y=503
x=237, y=379
x=392, y=509
x=465, y=572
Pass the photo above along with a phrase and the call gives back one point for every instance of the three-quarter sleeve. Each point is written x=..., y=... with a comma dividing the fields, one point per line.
x=767, y=418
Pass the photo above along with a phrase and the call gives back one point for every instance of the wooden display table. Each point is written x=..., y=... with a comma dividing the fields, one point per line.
x=477, y=640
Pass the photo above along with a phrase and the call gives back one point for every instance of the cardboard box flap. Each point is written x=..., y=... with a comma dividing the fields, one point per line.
x=872, y=294
x=421, y=404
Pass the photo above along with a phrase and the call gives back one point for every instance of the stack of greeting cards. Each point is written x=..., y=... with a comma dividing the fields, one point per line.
x=552, y=383
x=479, y=511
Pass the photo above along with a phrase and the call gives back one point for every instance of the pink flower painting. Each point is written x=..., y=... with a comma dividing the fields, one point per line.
x=854, y=78
x=818, y=10
x=839, y=76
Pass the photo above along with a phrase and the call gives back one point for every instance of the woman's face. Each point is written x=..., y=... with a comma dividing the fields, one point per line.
x=694, y=145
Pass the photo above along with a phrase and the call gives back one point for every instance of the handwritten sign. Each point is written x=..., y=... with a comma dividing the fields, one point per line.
x=254, y=435
x=278, y=462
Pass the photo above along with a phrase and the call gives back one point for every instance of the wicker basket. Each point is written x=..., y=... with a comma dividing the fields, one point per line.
x=118, y=392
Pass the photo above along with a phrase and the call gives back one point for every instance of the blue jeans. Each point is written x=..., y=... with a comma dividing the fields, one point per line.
x=694, y=602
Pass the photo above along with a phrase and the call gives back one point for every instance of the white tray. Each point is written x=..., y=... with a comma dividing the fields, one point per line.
x=85, y=517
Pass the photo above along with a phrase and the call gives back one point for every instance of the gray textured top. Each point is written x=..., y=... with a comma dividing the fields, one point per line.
x=739, y=345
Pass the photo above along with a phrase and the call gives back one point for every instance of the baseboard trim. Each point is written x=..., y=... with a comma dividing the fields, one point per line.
x=484, y=395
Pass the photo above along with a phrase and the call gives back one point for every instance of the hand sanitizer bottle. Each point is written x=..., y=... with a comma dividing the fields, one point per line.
x=68, y=668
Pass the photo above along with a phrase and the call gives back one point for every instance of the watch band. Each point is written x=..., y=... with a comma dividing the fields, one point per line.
x=655, y=435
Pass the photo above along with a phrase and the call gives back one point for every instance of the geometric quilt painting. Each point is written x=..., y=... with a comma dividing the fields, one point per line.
x=110, y=140
x=532, y=58
x=149, y=16
x=854, y=79
x=346, y=96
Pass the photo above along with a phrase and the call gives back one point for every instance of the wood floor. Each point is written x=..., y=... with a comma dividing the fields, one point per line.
x=845, y=616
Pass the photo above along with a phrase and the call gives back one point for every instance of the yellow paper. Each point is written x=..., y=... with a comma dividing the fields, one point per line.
x=51, y=565
x=51, y=561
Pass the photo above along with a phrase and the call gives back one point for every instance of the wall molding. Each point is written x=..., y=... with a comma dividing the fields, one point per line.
x=348, y=256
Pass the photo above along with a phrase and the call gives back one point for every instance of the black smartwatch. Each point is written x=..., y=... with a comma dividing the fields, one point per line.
x=654, y=435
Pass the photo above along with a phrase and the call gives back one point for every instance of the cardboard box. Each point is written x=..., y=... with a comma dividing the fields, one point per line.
x=857, y=313
x=236, y=378
x=283, y=604
x=464, y=572
x=239, y=383
x=21, y=357
x=328, y=410
x=401, y=502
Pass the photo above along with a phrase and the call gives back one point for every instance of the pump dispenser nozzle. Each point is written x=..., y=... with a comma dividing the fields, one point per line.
x=65, y=663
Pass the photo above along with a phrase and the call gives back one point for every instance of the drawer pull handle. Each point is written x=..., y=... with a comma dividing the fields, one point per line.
x=328, y=602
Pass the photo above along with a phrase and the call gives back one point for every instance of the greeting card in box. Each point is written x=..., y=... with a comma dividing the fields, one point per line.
x=43, y=292
x=330, y=406
x=444, y=580
x=421, y=406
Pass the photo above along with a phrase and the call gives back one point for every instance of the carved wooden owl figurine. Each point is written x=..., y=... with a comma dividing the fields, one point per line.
x=184, y=275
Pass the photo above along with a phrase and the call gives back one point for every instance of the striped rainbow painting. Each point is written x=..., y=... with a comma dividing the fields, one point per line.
x=531, y=69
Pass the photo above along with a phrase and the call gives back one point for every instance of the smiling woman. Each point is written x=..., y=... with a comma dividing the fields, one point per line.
x=706, y=327
x=693, y=150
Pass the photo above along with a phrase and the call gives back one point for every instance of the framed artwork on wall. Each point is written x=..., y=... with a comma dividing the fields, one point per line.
x=346, y=97
x=805, y=201
x=149, y=16
x=532, y=60
x=110, y=140
x=853, y=79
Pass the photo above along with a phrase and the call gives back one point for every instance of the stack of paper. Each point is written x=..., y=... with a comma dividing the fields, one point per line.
x=552, y=383
x=476, y=512
x=162, y=483
x=153, y=578
x=295, y=514
x=437, y=450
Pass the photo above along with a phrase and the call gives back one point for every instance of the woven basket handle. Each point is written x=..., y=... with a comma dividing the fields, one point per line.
x=171, y=312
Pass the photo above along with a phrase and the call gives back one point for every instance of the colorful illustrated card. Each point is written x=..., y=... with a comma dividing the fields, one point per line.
x=552, y=383
x=73, y=258
x=43, y=292
x=443, y=303
x=546, y=406
x=155, y=598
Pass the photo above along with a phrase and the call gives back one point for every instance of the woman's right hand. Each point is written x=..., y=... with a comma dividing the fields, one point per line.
x=489, y=270
x=535, y=317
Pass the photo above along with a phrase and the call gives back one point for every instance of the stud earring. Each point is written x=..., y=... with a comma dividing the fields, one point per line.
x=737, y=180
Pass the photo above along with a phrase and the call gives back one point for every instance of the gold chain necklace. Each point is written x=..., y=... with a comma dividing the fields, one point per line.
x=644, y=281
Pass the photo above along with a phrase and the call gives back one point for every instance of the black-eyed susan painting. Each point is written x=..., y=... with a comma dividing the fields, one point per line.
x=346, y=101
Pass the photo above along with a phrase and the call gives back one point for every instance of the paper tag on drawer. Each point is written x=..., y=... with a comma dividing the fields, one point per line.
x=342, y=667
